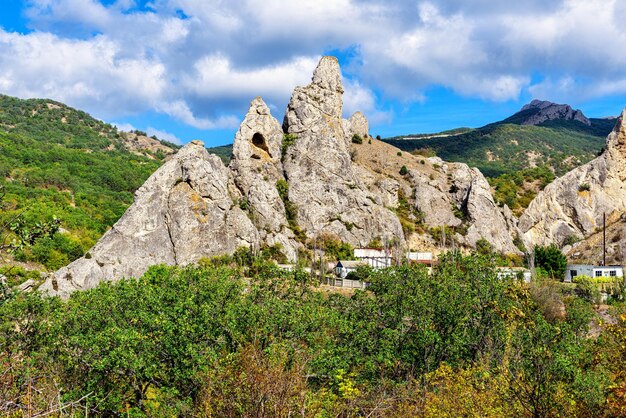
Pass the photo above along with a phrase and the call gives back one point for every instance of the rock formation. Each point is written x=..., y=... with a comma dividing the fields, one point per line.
x=542, y=111
x=257, y=167
x=328, y=194
x=176, y=217
x=461, y=198
x=284, y=186
x=573, y=205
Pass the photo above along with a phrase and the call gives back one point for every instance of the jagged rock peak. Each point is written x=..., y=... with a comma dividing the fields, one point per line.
x=183, y=212
x=327, y=75
x=617, y=138
x=258, y=106
x=319, y=105
x=546, y=110
x=259, y=135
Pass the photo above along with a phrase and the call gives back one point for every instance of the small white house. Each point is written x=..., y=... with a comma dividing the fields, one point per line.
x=344, y=267
x=589, y=270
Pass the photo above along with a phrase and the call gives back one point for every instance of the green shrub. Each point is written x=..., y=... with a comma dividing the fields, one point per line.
x=404, y=171
x=552, y=260
x=288, y=141
x=584, y=187
x=357, y=139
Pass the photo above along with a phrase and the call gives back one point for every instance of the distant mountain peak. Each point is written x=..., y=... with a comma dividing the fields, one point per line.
x=540, y=111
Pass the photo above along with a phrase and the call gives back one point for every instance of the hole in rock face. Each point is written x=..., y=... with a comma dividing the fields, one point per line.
x=258, y=140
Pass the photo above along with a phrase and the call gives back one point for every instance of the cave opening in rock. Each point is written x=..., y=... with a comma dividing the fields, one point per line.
x=258, y=140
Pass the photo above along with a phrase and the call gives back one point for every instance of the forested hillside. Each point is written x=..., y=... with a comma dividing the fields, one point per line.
x=504, y=148
x=56, y=161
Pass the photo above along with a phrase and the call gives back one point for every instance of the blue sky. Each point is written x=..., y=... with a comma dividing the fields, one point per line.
x=187, y=69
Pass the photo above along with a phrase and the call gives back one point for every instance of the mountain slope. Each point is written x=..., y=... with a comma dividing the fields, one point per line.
x=58, y=161
x=541, y=134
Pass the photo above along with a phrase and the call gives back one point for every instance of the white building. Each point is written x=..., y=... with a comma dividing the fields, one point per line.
x=373, y=257
x=589, y=270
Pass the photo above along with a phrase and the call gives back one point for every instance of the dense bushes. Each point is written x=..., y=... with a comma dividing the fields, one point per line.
x=206, y=341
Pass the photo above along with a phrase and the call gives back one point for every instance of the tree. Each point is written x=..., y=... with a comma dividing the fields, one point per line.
x=552, y=260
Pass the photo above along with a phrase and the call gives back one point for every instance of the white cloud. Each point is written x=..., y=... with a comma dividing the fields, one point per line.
x=126, y=127
x=181, y=111
x=359, y=98
x=203, y=68
x=163, y=135
x=215, y=76
x=83, y=73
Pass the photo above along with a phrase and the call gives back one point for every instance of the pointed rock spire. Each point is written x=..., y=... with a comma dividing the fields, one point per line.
x=327, y=75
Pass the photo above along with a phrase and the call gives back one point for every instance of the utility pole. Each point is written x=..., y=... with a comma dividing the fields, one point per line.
x=604, y=239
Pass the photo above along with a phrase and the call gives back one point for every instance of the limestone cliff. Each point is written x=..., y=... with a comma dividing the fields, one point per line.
x=323, y=185
x=573, y=205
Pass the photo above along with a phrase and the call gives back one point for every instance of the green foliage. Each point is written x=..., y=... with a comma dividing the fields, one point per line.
x=225, y=152
x=404, y=171
x=484, y=247
x=584, y=187
x=361, y=273
x=288, y=141
x=517, y=189
x=438, y=232
x=503, y=148
x=552, y=260
x=291, y=211
x=244, y=204
x=334, y=248
x=59, y=162
x=357, y=139
x=376, y=243
x=204, y=341
x=424, y=152
x=571, y=240
x=274, y=253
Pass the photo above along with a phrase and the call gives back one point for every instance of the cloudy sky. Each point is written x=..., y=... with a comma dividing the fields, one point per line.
x=187, y=69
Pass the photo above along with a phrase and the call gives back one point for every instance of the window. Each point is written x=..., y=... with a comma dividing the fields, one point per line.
x=598, y=273
x=573, y=273
x=613, y=273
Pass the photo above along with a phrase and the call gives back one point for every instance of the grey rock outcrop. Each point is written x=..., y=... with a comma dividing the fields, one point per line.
x=573, y=205
x=256, y=167
x=175, y=219
x=546, y=111
x=461, y=198
x=323, y=185
x=356, y=125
